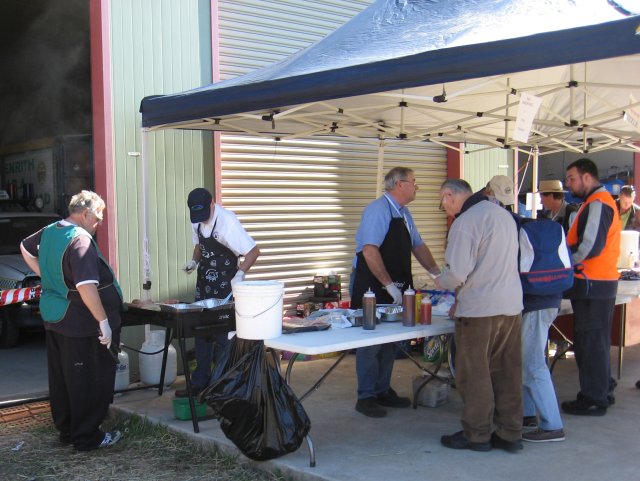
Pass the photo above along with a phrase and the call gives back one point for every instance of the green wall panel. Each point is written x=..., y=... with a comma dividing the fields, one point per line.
x=157, y=47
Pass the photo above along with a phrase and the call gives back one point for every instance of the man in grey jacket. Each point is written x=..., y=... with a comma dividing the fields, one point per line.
x=482, y=266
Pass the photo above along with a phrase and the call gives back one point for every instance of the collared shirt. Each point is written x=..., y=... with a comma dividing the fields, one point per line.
x=374, y=223
x=228, y=231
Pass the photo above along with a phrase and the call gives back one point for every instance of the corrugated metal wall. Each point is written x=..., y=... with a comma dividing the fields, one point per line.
x=481, y=165
x=302, y=200
x=157, y=47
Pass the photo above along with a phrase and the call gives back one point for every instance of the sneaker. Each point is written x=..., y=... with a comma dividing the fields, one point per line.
x=529, y=423
x=543, y=435
x=195, y=391
x=582, y=407
x=458, y=441
x=370, y=407
x=110, y=439
x=391, y=399
x=509, y=446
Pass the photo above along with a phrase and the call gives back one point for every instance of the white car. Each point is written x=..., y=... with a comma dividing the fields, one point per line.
x=14, y=273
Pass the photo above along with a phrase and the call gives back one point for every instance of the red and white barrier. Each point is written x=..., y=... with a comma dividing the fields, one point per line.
x=14, y=296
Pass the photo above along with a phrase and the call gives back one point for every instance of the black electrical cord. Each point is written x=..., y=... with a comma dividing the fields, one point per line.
x=146, y=353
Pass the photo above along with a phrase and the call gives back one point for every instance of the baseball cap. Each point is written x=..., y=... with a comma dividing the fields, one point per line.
x=502, y=187
x=199, y=202
x=550, y=186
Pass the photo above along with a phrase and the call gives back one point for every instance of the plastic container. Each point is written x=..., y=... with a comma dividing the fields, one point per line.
x=369, y=310
x=151, y=365
x=425, y=311
x=628, y=249
x=258, y=306
x=181, y=408
x=418, y=300
x=409, y=308
x=122, y=372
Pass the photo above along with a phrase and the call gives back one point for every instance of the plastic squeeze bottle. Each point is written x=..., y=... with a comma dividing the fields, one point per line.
x=369, y=310
x=409, y=307
x=425, y=311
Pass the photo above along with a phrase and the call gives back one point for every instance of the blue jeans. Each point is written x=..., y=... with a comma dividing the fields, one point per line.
x=373, y=368
x=538, y=393
x=204, y=357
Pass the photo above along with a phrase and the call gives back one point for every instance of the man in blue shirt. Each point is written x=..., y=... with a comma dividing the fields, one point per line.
x=385, y=239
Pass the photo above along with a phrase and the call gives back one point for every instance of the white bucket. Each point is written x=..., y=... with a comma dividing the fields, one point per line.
x=258, y=307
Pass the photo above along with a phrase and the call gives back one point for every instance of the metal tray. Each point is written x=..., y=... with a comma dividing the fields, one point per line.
x=182, y=307
x=389, y=312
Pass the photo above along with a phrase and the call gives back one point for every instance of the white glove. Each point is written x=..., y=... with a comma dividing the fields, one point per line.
x=395, y=293
x=190, y=266
x=239, y=277
x=105, y=330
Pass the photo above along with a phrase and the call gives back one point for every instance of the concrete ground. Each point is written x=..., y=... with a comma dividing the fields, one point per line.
x=23, y=369
x=405, y=445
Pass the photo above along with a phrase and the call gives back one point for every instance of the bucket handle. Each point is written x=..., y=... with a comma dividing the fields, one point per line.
x=267, y=309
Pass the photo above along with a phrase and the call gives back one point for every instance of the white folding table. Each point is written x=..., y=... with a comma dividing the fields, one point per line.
x=344, y=340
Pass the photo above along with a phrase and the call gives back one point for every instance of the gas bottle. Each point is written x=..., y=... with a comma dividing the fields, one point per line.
x=409, y=307
x=151, y=364
x=369, y=310
x=425, y=311
x=122, y=371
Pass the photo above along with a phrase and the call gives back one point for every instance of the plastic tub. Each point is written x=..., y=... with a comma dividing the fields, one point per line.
x=181, y=409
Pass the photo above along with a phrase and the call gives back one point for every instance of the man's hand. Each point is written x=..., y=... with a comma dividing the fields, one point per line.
x=190, y=266
x=239, y=277
x=395, y=293
x=105, y=330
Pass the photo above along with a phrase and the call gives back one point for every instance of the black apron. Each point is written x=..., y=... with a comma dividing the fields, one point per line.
x=218, y=265
x=396, y=256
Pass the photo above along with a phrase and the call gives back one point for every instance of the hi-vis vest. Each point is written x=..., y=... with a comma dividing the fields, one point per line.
x=603, y=267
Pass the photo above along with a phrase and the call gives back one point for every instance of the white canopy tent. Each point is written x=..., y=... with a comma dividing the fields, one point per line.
x=419, y=70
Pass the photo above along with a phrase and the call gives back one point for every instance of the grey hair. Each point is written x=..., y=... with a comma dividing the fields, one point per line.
x=394, y=175
x=457, y=186
x=86, y=200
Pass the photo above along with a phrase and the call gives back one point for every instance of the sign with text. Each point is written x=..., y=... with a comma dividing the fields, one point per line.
x=527, y=110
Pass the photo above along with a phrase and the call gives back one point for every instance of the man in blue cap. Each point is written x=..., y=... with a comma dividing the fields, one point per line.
x=219, y=242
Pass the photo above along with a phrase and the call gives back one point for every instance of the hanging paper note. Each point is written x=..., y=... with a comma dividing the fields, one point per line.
x=527, y=110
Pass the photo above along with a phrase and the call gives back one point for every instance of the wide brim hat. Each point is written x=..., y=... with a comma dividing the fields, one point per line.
x=551, y=186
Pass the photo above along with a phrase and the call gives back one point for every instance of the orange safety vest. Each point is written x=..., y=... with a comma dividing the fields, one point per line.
x=605, y=265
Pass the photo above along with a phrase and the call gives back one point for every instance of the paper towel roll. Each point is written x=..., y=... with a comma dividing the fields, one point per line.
x=628, y=248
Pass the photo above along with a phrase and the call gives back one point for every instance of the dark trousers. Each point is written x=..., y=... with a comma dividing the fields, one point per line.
x=81, y=382
x=489, y=376
x=592, y=346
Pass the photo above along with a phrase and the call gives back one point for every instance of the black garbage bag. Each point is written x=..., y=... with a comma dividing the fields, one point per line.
x=257, y=410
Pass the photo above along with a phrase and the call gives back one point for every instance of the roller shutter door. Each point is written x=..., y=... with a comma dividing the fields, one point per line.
x=302, y=199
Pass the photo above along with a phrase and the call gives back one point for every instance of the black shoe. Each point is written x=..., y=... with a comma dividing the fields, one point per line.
x=509, y=446
x=458, y=441
x=195, y=391
x=582, y=407
x=638, y=384
x=370, y=407
x=529, y=423
x=391, y=399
